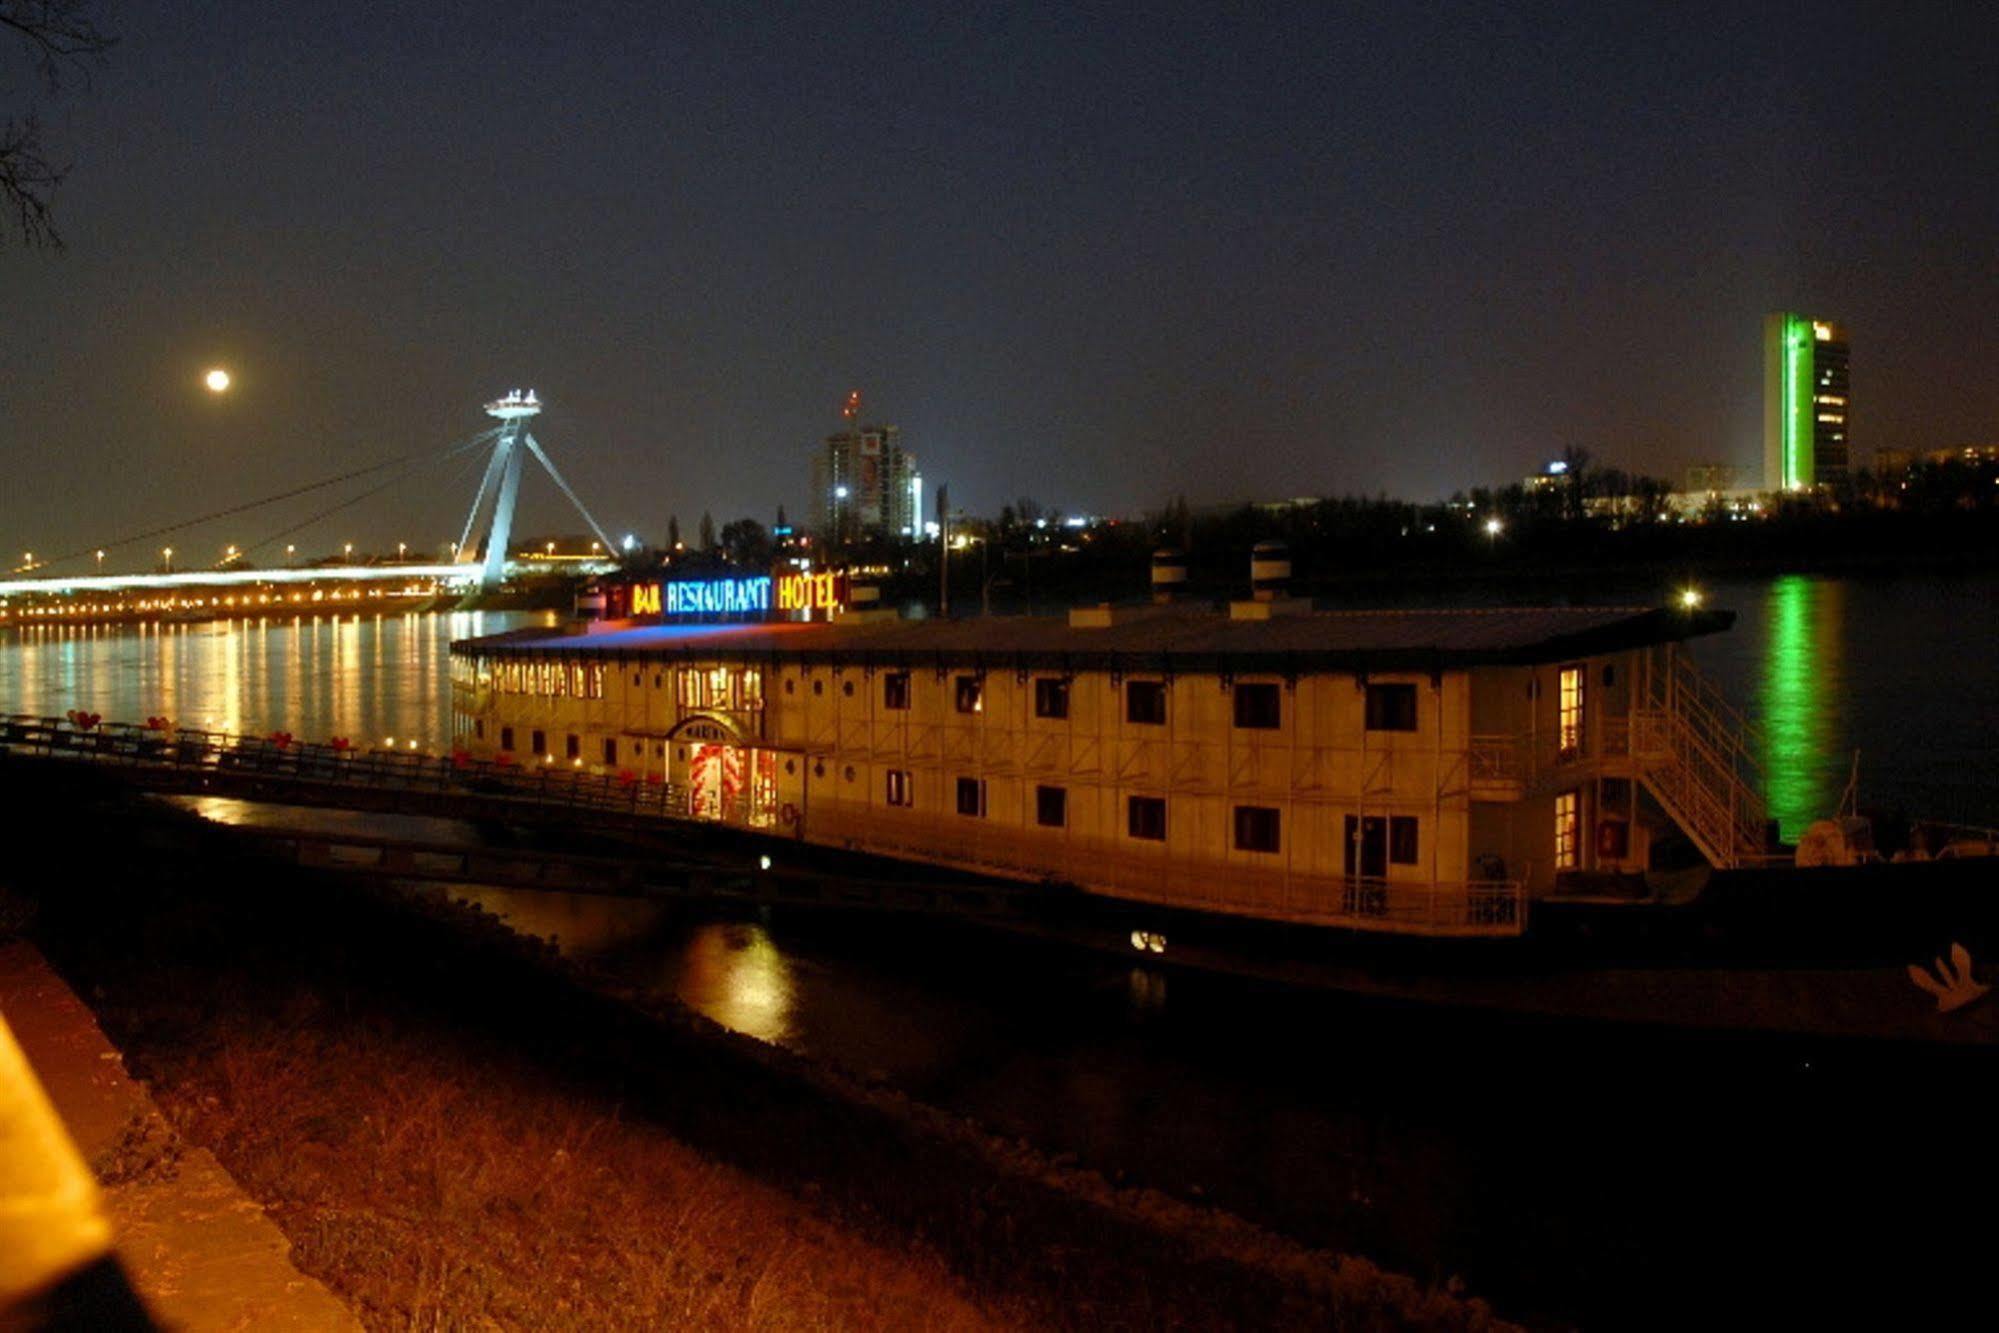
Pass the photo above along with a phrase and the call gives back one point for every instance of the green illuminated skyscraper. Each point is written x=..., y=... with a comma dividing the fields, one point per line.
x=1804, y=403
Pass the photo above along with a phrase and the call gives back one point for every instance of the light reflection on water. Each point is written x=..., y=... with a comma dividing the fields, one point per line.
x=1899, y=671
x=360, y=676
x=1801, y=698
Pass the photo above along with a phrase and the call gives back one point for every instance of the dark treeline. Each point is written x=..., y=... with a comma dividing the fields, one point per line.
x=1585, y=523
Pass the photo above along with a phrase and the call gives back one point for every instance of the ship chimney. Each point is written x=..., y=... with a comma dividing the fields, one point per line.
x=1169, y=574
x=1269, y=585
x=1269, y=570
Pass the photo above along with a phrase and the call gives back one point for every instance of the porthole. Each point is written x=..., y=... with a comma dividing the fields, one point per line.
x=847, y=688
x=819, y=687
x=849, y=774
x=791, y=687
x=819, y=769
x=790, y=767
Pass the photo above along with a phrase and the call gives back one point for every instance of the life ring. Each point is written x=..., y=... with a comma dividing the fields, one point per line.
x=789, y=814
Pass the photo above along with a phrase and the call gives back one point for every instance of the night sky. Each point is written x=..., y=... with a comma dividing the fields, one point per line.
x=1093, y=254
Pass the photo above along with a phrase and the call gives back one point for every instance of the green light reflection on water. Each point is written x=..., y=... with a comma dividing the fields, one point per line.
x=1800, y=700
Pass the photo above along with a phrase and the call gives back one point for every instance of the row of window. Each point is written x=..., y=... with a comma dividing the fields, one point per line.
x=572, y=744
x=549, y=678
x=1258, y=706
x=1257, y=828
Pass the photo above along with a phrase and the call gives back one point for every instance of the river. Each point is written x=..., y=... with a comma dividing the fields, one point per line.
x=1565, y=1174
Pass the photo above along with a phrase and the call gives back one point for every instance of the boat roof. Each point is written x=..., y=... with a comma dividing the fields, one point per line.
x=1171, y=639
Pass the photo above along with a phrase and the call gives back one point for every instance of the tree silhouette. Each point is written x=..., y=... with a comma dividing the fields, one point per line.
x=61, y=42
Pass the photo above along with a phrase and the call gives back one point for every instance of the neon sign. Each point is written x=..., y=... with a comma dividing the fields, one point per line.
x=718, y=597
x=789, y=596
x=812, y=592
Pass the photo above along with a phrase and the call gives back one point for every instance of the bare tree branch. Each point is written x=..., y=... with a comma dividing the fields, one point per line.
x=62, y=40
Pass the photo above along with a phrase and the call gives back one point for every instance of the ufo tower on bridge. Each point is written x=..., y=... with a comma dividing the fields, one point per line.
x=503, y=483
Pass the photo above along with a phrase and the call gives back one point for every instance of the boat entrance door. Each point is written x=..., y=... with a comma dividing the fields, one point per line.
x=1367, y=846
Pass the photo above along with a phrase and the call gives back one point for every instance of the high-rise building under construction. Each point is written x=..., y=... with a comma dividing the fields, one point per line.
x=865, y=484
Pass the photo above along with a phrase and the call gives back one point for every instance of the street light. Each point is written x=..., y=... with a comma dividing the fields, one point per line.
x=290, y=552
x=1493, y=527
x=100, y=562
x=401, y=548
x=167, y=558
x=350, y=552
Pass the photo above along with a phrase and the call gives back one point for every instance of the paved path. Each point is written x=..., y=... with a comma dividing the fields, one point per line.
x=200, y=1252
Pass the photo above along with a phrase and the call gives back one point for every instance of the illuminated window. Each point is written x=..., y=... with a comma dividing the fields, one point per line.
x=971, y=694
x=1145, y=817
x=972, y=797
x=899, y=789
x=1051, y=697
x=1569, y=710
x=1051, y=807
x=1145, y=702
x=1256, y=828
x=1568, y=830
x=895, y=690
x=1258, y=707
x=1391, y=707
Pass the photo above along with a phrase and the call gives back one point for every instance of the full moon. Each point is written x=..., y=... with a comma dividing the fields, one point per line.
x=217, y=380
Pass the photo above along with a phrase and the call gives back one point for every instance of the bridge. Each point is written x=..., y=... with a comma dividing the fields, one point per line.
x=509, y=444
x=659, y=849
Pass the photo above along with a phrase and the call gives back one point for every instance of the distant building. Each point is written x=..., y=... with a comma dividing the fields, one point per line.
x=1703, y=478
x=1805, y=403
x=865, y=484
x=1898, y=462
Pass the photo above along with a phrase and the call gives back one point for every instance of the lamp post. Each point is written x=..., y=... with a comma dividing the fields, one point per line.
x=167, y=559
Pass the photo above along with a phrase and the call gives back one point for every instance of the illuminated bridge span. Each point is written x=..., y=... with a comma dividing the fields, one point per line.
x=455, y=575
x=499, y=490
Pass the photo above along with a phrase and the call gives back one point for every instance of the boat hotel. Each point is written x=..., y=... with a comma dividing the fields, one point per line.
x=1419, y=771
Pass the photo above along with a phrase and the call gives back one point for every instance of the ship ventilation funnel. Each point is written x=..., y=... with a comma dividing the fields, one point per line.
x=1169, y=574
x=1269, y=571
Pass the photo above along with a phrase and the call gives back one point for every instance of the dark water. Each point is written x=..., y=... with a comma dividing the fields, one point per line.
x=1609, y=1177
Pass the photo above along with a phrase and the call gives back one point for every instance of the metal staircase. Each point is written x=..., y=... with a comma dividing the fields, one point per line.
x=1697, y=756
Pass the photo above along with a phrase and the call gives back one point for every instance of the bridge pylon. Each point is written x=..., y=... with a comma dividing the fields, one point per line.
x=502, y=481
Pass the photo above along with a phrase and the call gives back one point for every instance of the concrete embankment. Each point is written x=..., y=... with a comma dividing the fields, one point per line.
x=200, y=1253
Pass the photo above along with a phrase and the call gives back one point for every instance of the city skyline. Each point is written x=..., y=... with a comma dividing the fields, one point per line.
x=1098, y=261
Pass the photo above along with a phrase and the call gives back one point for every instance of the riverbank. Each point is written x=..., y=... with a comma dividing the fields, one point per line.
x=195, y=1249
x=451, y=1123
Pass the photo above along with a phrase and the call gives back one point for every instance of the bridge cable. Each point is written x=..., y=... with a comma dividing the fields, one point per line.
x=249, y=505
x=310, y=519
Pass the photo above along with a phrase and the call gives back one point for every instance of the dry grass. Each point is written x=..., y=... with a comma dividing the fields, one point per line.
x=434, y=1192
